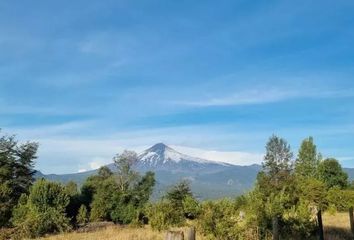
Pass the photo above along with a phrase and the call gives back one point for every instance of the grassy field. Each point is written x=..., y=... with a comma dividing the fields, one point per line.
x=114, y=233
x=336, y=228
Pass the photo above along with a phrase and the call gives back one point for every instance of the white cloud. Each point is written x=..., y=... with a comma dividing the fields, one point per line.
x=264, y=95
x=232, y=157
x=99, y=162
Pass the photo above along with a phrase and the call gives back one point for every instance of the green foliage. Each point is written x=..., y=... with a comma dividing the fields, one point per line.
x=178, y=205
x=124, y=163
x=74, y=201
x=16, y=173
x=277, y=161
x=102, y=203
x=104, y=172
x=43, y=211
x=178, y=193
x=293, y=198
x=306, y=164
x=299, y=222
x=163, y=215
x=332, y=174
x=340, y=199
x=191, y=207
x=124, y=212
x=223, y=219
x=312, y=191
x=121, y=196
x=82, y=215
x=128, y=205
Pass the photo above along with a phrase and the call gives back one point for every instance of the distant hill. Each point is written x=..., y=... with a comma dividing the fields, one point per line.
x=209, y=179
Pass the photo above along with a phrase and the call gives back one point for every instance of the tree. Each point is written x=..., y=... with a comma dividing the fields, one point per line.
x=102, y=202
x=104, y=172
x=332, y=174
x=16, y=173
x=92, y=184
x=82, y=215
x=128, y=206
x=43, y=210
x=180, y=196
x=74, y=200
x=277, y=161
x=306, y=164
x=178, y=193
x=125, y=174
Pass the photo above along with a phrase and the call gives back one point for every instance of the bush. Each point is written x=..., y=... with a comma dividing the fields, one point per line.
x=124, y=213
x=43, y=211
x=222, y=220
x=191, y=207
x=340, y=199
x=163, y=215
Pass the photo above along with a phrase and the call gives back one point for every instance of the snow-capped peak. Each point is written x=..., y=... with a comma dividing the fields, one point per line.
x=161, y=154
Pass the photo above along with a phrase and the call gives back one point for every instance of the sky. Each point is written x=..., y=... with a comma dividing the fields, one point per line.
x=87, y=79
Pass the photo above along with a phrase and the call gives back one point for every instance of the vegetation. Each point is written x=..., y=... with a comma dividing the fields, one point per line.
x=42, y=211
x=336, y=228
x=16, y=174
x=287, y=196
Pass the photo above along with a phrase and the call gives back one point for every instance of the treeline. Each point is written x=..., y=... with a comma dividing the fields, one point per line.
x=288, y=194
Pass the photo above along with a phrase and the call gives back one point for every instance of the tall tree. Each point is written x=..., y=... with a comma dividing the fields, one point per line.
x=332, y=174
x=277, y=160
x=306, y=164
x=126, y=175
x=16, y=173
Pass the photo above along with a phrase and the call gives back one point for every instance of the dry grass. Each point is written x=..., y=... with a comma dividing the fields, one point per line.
x=114, y=233
x=111, y=233
x=337, y=226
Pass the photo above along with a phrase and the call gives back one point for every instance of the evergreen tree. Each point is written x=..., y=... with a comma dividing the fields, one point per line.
x=306, y=164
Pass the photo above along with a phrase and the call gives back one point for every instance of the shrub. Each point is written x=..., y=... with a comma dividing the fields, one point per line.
x=43, y=211
x=340, y=199
x=163, y=215
x=221, y=220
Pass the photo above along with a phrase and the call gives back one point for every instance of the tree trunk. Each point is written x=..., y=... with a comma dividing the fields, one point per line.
x=351, y=218
x=275, y=225
x=320, y=225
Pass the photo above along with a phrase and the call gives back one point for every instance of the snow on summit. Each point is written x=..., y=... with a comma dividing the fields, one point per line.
x=161, y=154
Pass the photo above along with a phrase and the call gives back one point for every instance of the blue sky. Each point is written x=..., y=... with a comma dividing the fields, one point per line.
x=87, y=79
